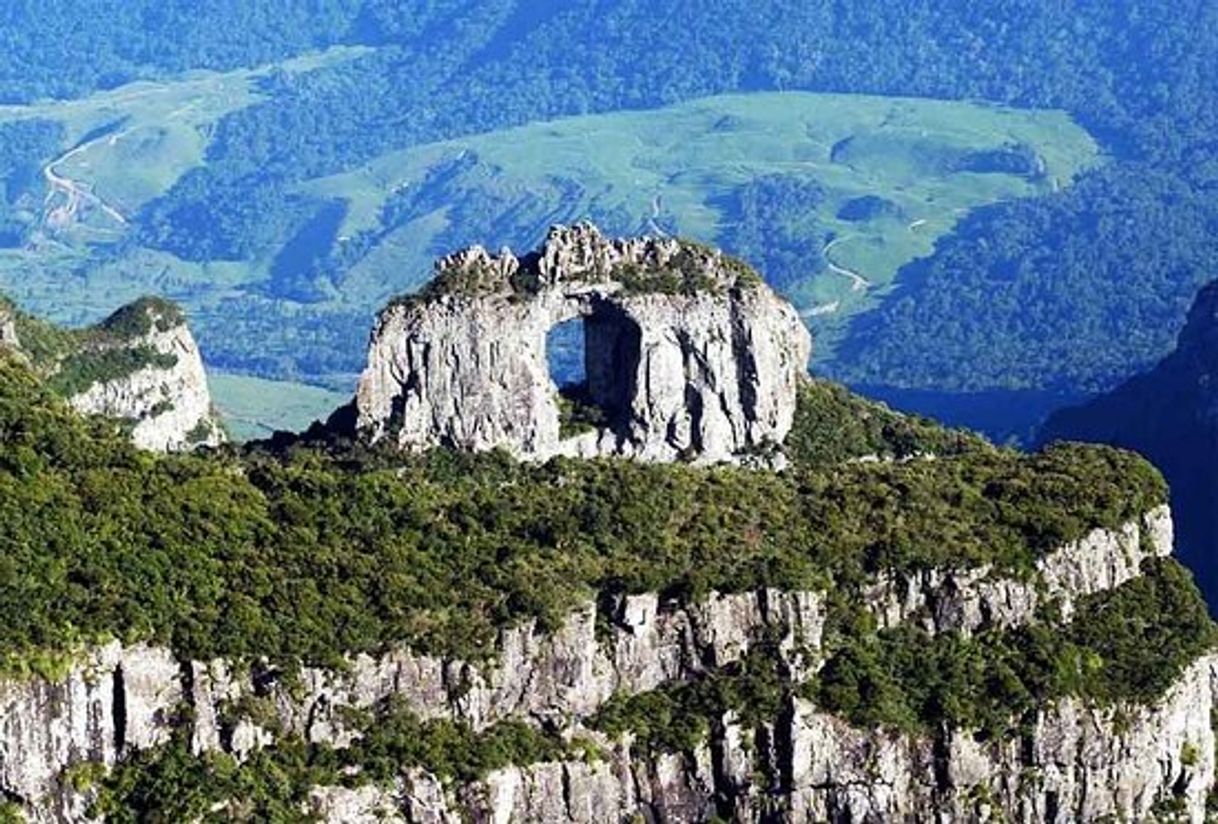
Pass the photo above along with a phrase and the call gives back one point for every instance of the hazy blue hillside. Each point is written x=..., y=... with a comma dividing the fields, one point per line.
x=310, y=170
x=1170, y=415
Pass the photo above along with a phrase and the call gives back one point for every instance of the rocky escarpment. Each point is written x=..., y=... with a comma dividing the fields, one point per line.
x=165, y=397
x=688, y=354
x=1170, y=414
x=967, y=600
x=141, y=366
x=1073, y=761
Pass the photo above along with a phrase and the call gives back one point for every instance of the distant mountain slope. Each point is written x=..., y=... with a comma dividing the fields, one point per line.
x=770, y=176
x=415, y=74
x=1170, y=414
x=1047, y=298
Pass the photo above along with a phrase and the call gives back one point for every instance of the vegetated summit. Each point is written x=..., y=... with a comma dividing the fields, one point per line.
x=322, y=627
x=1169, y=414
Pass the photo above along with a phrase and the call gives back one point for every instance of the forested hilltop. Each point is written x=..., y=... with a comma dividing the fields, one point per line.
x=311, y=551
x=1008, y=300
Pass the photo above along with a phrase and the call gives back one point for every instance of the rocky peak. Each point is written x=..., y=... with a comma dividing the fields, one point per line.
x=580, y=254
x=140, y=365
x=687, y=353
x=152, y=376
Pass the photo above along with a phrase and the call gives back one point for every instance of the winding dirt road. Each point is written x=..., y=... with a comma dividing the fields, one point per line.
x=656, y=210
x=75, y=194
x=858, y=283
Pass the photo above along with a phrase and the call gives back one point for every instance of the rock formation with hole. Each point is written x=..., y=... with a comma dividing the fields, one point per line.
x=688, y=354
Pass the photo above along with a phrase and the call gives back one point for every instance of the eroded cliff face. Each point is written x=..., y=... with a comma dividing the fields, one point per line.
x=971, y=599
x=1073, y=762
x=167, y=400
x=141, y=366
x=688, y=353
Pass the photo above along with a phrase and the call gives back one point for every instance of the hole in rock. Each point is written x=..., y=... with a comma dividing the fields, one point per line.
x=593, y=361
x=565, y=348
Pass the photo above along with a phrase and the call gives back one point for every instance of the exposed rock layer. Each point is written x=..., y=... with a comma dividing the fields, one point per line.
x=170, y=406
x=687, y=353
x=1073, y=763
x=141, y=365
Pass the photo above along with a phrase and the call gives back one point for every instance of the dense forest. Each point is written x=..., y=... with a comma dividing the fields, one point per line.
x=1062, y=292
x=308, y=549
x=1170, y=415
x=306, y=552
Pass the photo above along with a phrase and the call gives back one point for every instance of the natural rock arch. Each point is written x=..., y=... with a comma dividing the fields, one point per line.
x=611, y=348
x=689, y=353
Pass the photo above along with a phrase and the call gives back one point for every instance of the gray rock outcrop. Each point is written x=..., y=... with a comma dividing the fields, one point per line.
x=1073, y=763
x=141, y=365
x=8, y=327
x=688, y=353
x=167, y=399
x=966, y=600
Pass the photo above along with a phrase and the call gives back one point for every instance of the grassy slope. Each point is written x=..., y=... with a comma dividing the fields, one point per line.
x=255, y=408
x=681, y=163
x=129, y=145
x=685, y=157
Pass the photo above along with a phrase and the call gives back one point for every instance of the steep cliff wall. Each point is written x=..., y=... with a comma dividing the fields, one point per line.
x=688, y=353
x=141, y=366
x=167, y=399
x=1073, y=761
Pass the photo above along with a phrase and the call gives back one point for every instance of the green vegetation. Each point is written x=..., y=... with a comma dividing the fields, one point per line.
x=253, y=408
x=135, y=40
x=171, y=784
x=1126, y=645
x=833, y=425
x=138, y=318
x=83, y=369
x=72, y=360
x=577, y=413
x=694, y=269
x=291, y=299
x=311, y=553
x=1118, y=251
x=285, y=202
x=23, y=145
x=678, y=716
x=779, y=226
